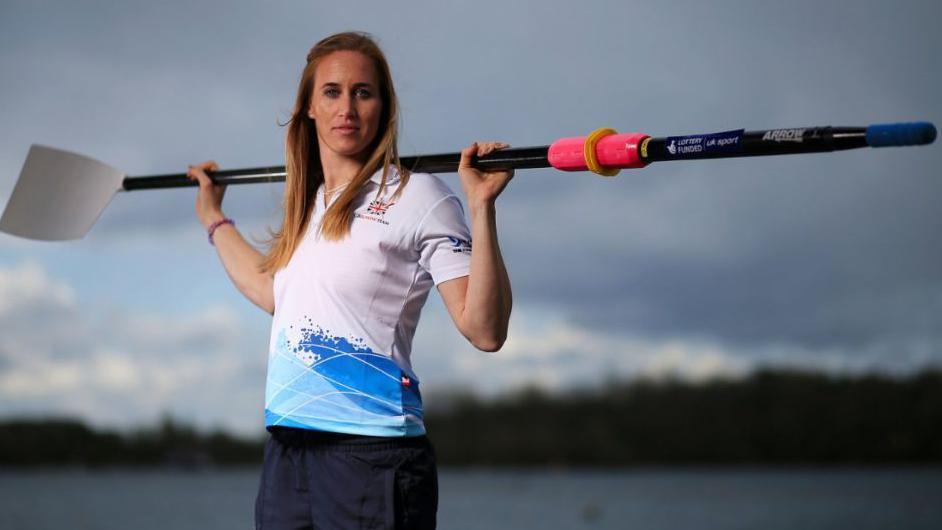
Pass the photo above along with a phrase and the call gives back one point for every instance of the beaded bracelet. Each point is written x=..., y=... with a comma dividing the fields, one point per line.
x=212, y=228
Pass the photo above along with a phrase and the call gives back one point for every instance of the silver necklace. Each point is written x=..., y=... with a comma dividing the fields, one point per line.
x=335, y=188
x=327, y=192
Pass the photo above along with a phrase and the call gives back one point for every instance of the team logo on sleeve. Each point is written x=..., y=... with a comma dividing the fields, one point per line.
x=460, y=245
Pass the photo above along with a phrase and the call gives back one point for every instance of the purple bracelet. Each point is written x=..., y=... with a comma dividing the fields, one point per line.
x=212, y=228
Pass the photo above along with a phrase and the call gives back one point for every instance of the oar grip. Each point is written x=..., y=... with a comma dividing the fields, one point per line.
x=615, y=150
x=900, y=134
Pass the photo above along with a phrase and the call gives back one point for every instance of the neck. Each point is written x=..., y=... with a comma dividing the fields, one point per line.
x=338, y=169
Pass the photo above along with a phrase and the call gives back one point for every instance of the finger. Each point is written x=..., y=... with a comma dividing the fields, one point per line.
x=466, y=155
x=199, y=171
x=200, y=175
x=494, y=146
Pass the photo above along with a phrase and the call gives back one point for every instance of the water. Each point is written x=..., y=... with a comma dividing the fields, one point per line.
x=676, y=499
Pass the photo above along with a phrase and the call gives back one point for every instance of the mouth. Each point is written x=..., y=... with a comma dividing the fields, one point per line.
x=346, y=130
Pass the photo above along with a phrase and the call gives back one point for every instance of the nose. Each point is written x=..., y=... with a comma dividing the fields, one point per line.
x=348, y=107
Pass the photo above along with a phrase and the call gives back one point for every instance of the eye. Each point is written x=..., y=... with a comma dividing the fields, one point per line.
x=331, y=92
x=363, y=93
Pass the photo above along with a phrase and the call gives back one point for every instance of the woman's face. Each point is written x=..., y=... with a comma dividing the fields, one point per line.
x=346, y=103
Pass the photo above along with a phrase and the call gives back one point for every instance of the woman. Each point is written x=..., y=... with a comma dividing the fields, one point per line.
x=345, y=278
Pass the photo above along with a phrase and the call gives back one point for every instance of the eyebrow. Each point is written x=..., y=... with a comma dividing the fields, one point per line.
x=355, y=85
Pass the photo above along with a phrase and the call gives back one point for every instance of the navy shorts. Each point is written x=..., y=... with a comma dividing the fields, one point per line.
x=331, y=481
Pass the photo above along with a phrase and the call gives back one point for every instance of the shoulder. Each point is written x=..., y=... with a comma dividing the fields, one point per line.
x=436, y=197
x=427, y=188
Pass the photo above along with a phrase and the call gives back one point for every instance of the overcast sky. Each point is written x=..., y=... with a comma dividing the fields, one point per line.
x=694, y=269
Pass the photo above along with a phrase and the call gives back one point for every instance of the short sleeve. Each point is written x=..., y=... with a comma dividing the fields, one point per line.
x=443, y=240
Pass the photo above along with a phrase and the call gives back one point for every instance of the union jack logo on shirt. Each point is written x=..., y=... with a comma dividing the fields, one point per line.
x=379, y=207
x=406, y=381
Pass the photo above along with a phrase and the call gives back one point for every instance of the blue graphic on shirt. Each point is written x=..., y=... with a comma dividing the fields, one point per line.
x=460, y=245
x=328, y=383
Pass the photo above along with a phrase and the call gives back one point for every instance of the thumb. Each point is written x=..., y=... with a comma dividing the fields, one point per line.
x=195, y=172
x=466, y=155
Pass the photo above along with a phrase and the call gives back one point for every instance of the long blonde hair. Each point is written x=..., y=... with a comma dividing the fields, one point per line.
x=302, y=155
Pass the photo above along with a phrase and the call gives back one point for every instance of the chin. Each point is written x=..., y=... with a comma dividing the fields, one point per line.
x=352, y=151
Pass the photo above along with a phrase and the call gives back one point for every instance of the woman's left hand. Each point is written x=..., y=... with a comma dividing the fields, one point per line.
x=482, y=187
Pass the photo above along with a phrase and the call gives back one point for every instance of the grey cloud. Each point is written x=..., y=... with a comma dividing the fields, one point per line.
x=835, y=259
x=113, y=365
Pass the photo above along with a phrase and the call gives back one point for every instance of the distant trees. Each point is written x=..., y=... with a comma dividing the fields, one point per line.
x=772, y=417
x=64, y=442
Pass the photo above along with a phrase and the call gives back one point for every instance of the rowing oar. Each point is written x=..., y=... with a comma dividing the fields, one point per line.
x=60, y=195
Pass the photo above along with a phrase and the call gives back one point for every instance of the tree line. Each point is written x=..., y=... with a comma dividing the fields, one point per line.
x=770, y=417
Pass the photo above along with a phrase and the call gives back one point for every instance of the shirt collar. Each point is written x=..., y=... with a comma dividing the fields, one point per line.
x=391, y=178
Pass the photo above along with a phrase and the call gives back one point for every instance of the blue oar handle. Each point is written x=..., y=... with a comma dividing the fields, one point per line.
x=898, y=134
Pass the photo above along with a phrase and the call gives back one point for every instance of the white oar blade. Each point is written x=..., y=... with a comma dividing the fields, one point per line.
x=59, y=195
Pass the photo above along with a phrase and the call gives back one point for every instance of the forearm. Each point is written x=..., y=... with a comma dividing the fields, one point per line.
x=488, y=300
x=241, y=261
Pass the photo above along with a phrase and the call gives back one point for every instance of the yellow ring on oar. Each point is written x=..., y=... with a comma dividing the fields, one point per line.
x=591, y=160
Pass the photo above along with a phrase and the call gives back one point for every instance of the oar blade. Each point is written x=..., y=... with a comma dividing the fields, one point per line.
x=59, y=195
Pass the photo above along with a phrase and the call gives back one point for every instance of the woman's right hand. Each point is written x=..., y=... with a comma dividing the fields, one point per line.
x=209, y=197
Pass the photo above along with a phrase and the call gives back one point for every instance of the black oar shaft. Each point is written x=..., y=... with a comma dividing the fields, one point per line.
x=512, y=158
x=728, y=144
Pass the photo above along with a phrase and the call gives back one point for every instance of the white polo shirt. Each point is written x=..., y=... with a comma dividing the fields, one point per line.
x=346, y=312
